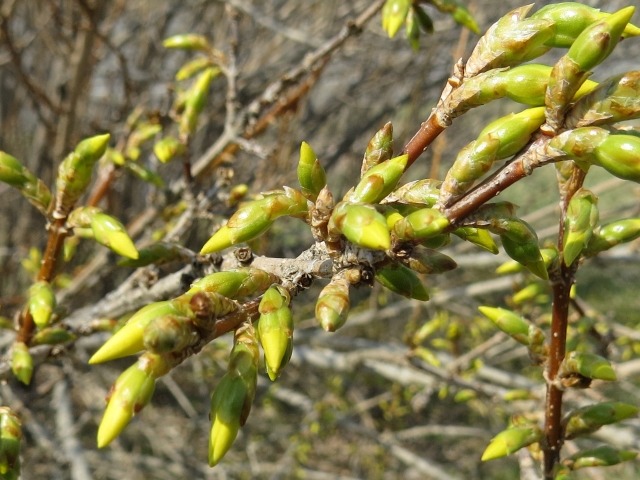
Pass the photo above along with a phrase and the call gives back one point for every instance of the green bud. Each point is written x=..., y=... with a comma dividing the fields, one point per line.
x=363, y=225
x=131, y=392
x=188, y=41
x=275, y=329
x=42, y=302
x=478, y=236
x=21, y=362
x=13, y=173
x=425, y=260
x=520, y=242
x=510, y=41
x=423, y=192
x=144, y=174
x=74, y=173
x=224, y=283
x=586, y=420
x=580, y=144
x=587, y=365
x=52, y=336
x=533, y=292
x=603, y=456
x=420, y=225
x=619, y=154
x=157, y=253
x=10, y=437
x=509, y=322
x=394, y=14
x=193, y=67
x=167, y=148
x=379, y=180
x=332, y=307
x=511, y=440
x=109, y=232
x=570, y=19
x=402, y=280
x=613, y=234
x=255, y=218
x=231, y=401
x=598, y=40
x=169, y=333
x=379, y=149
x=129, y=340
x=580, y=220
x=513, y=131
x=311, y=175
x=195, y=101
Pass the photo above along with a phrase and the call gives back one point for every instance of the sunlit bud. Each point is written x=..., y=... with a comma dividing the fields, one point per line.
x=586, y=365
x=603, y=456
x=378, y=181
x=52, y=336
x=108, y=231
x=275, y=329
x=570, y=19
x=21, y=362
x=129, y=340
x=420, y=225
x=394, y=13
x=425, y=260
x=579, y=144
x=142, y=133
x=478, y=236
x=412, y=29
x=188, y=41
x=614, y=100
x=509, y=322
x=311, y=175
x=332, y=307
x=231, y=401
x=195, y=101
x=379, y=149
x=168, y=148
x=598, y=40
x=400, y=279
x=157, y=253
x=586, y=420
x=520, y=242
x=131, y=392
x=580, y=220
x=363, y=225
x=254, y=218
x=13, y=173
x=513, y=131
x=74, y=173
x=169, y=333
x=225, y=283
x=510, y=41
x=420, y=192
x=193, y=67
x=511, y=440
x=42, y=302
x=613, y=234
x=10, y=436
x=619, y=154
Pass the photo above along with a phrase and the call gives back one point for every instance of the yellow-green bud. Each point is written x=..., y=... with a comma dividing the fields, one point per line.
x=586, y=420
x=169, y=333
x=520, y=242
x=425, y=260
x=587, y=365
x=619, y=154
x=311, y=175
x=511, y=440
x=42, y=302
x=195, y=102
x=402, y=280
x=10, y=437
x=379, y=180
x=420, y=225
x=379, y=149
x=423, y=192
x=603, y=456
x=52, y=336
x=188, y=41
x=207, y=307
x=109, y=232
x=275, y=329
x=612, y=234
x=332, y=307
x=509, y=322
x=363, y=225
x=235, y=283
x=580, y=220
x=131, y=392
x=13, y=173
x=513, y=131
x=394, y=14
x=478, y=236
x=21, y=362
x=193, y=67
x=168, y=148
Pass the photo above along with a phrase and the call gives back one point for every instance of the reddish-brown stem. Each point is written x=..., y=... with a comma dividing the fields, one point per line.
x=429, y=131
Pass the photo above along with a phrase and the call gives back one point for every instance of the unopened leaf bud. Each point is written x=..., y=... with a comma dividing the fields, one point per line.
x=42, y=302
x=332, y=307
x=21, y=362
x=362, y=225
x=580, y=221
x=311, y=175
x=10, y=437
x=588, y=365
x=403, y=281
x=602, y=456
x=420, y=225
x=167, y=148
x=586, y=420
x=169, y=333
x=511, y=440
x=275, y=329
x=379, y=149
x=379, y=180
x=394, y=14
x=188, y=41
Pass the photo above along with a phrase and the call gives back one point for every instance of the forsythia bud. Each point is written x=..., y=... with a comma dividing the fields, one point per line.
x=332, y=307
x=379, y=149
x=379, y=180
x=21, y=362
x=586, y=420
x=402, y=280
x=275, y=329
x=363, y=225
x=42, y=302
x=311, y=175
x=581, y=219
x=10, y=436
x=511, y=440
